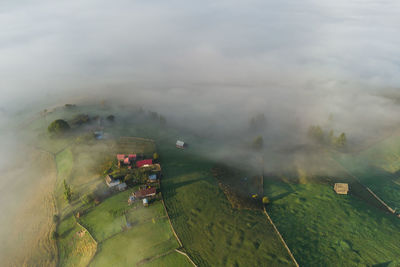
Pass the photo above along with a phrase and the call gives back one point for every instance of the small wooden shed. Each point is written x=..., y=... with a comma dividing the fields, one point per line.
x=180, y=144
x=341, y=188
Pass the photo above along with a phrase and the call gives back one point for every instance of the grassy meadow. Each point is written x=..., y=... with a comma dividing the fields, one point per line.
x=212, y=232
x=378, y=167
x=323, y=228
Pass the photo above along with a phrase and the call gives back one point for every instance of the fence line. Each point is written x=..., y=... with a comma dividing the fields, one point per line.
x=186, y=255
x=369, y=190
x=87, y=232
x=175, y=234
x=281, y=238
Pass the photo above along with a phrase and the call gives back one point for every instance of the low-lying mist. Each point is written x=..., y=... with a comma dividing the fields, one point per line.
x=208, y=67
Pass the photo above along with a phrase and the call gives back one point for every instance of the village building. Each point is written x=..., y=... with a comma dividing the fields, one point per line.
x=341, y=188
x=180, y=144
x=122, y=186
x=111, y=182
x=144, y=163
x=145, y=202
x=153, y=178
x=132, y=157
x=145, y=193
x=98, y=135
x=127, y=161
x=120, y=157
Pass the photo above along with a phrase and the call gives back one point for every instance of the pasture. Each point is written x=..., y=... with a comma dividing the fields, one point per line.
x=377, y=167
x=326, y=229
x=212, y=232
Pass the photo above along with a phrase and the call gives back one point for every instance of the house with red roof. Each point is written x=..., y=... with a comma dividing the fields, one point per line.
x=142, y=163
x=132, y=157
x=147, y=192
x=120, y=157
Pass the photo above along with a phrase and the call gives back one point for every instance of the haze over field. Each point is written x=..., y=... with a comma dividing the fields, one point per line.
x=204, y=65
x=295, y=61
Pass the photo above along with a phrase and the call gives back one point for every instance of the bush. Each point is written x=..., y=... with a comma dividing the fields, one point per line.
x=56, y=218
x=58, y=127
x=55, y=235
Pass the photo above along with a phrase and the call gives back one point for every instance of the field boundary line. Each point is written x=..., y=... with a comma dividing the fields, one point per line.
x=95, y=241
x=175, y=234
x=121, y=139
x=281, y=238
x=144, y=261
x=186, y=255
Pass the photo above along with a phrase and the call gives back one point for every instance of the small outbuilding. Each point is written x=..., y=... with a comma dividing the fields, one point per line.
x=111, y=182
x=145, y=193
x=341, y=188
x=153, y=178
x=145, y=202
x=122, y=187
x=127, y=161
x=180, y=144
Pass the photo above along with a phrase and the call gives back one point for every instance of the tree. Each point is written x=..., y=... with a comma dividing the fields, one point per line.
x=56, y=218
x=341, y=140
x=316, y=133
x=163, y=120
x=58, y=127
x=155, y=156
x=54, y=235
x=67, y=192
x=265, y=200
x=258, y=142
x=258, y=122
x=87, y=198
x=111, y=118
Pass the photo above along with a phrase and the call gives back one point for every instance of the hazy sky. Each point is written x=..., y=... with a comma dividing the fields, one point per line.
x=305, y=59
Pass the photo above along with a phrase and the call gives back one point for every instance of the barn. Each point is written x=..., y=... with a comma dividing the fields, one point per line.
x=180, y=144
x=341, y=188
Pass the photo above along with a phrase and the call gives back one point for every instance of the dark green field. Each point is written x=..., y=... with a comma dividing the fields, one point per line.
x=326, y=229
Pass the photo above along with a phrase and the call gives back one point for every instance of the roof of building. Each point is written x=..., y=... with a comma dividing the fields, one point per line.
x=127, y=161
x=132, y=156
x=145, y=192
x=341, y=188
x=144, y=162
x=120, y=156
x=157, y=167
x=180, y=143
x=122, y=186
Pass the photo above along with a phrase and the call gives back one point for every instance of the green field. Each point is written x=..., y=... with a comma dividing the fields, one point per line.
x=101, y=221
x=378, y=167
x=326, y=229
x=211, y=231
x=73, y=249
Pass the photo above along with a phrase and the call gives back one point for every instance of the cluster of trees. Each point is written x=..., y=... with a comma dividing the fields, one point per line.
x=58, y=127
x=316, y=133
x=258, y=122
x=258, y=143
x=155, y=116
x=67, y=192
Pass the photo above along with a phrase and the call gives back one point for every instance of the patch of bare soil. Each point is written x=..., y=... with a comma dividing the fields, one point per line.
x=241, y=191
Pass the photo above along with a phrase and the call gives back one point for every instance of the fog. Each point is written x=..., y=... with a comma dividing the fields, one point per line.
x=207, y=65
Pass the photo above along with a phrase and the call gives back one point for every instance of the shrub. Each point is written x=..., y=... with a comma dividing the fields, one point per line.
x=56, y=218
